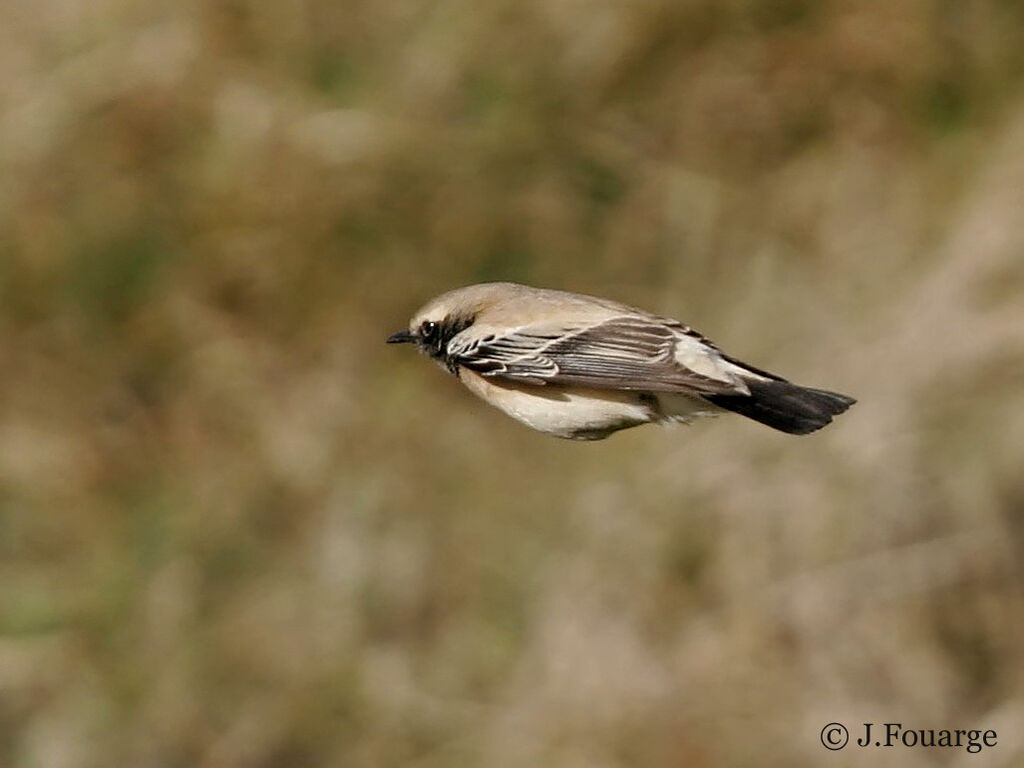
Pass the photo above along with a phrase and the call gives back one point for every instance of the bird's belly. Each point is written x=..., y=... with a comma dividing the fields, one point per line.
x=684, y=408
x=571, y=412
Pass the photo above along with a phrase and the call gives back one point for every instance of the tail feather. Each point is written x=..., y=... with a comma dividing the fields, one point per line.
x=785, y=406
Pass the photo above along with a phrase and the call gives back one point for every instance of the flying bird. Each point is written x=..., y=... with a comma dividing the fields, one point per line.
x=582, y=367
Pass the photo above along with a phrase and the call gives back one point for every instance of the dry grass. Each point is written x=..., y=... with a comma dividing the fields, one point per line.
x=238, y=530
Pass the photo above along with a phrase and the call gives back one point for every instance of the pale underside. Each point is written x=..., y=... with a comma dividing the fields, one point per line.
x=583, y=413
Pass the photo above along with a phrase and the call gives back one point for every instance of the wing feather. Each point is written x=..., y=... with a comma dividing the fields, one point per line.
x=628, y=352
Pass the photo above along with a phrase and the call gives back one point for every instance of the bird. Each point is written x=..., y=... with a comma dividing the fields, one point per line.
x=582, y=367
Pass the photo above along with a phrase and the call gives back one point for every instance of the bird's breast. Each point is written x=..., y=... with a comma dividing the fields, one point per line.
x=577, y=413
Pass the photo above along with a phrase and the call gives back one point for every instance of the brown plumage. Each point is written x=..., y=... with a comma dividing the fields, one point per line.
x=582, y=367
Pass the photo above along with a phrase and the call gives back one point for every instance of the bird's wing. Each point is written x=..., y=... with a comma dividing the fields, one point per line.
x=631, y=352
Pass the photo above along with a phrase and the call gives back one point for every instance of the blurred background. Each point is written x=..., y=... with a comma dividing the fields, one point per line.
x=236, y=529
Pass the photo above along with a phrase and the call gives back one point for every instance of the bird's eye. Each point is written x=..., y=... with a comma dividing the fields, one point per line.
x=428, y=329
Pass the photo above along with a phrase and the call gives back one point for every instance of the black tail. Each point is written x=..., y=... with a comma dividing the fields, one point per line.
x=785, y=406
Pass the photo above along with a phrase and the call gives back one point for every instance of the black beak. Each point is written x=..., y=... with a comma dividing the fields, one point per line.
x=401, y=337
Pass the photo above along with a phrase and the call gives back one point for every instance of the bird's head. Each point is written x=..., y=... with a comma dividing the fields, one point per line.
x=430, y=333
x=440, y=319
